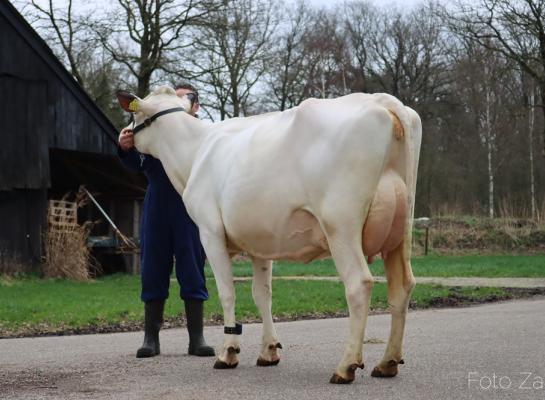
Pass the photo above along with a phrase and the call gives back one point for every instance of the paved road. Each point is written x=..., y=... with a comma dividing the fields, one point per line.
x=527, y=283
x=444, y=347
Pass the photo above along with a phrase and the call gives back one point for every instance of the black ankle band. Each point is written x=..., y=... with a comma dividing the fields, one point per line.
x=230, y=330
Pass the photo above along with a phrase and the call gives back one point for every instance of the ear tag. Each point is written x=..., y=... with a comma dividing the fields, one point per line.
x=133, y=105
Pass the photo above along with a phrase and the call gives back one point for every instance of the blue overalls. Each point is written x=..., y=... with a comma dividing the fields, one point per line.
x=166, y=230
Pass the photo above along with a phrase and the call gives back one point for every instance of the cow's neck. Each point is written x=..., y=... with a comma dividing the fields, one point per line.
x=180, y=140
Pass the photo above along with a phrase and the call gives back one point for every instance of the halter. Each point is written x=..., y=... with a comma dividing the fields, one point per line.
x=147, y=122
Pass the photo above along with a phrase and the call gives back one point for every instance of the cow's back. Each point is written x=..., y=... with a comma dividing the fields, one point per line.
x=270, y=177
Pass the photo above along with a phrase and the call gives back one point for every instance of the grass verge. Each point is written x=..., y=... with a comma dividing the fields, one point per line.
x=497, y=266
x=31, y=307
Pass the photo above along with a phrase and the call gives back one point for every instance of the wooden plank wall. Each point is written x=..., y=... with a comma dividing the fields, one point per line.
x=23, y=217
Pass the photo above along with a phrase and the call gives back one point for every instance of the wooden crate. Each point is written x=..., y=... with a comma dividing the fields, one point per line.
x=62, y=215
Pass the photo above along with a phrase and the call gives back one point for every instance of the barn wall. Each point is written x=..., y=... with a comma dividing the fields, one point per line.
x=22, y=213
x=75, y=121
x=24, y=159
x=44, y=112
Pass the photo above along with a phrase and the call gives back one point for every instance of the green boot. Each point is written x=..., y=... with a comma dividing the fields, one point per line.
x=194, y=316
x=153, y=320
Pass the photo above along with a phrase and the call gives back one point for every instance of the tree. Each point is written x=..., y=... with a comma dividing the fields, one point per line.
x=152, y=33
x=405, y=55
x=232, y=52
x=62, y=30
x=360, y=20
x=102, y=79
x=513, y=28
x=531, y=125
x=67, y=34
x=327, y=57
x=287, y=73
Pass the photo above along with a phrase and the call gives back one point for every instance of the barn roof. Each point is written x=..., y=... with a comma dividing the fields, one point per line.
x=40, y=47
x=42, y=108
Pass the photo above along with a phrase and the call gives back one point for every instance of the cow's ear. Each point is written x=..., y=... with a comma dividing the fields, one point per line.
x=128, y=101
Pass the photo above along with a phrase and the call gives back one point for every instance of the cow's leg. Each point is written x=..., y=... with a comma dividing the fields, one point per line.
x=345, y=246
x=400, y=285
x=216, y=252
x=262, y=293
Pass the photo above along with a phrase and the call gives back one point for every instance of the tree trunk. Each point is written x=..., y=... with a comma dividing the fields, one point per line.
x=531, y=124
x=542, y=90
x=490, y=181
x=489, y=150
x=234, y=98
x=143, y=85
x=236, y=107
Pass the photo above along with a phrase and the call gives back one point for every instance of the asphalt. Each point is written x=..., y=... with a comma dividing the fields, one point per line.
x=494, y=351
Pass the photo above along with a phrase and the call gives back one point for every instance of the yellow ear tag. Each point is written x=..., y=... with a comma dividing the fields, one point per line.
x=133, y=105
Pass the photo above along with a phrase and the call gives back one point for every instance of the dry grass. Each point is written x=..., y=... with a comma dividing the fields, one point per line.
x=65, y=247
x=67, y=254
x=470, y=233
x=506, y=207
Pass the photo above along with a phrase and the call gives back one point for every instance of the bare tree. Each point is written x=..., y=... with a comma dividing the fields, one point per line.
x=406, y=54
x=66, y=33
x=529, y=88
x=485, y=82
x=514, y=28
x=232, y=52
x=327, y=57
x=62, y=29
x=360, y=19
x=144, y=35
x=286, y=74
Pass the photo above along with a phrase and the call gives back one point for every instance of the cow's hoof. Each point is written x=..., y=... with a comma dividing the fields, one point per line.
x=339, y=380
x=388, y=371
x=350, y=375
x=269, y=356
x=261, y=362
x=223, y=365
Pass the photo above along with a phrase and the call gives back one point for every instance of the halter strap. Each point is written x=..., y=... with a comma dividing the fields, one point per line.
x=147, y=122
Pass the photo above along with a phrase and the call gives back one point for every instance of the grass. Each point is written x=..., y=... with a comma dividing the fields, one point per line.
x=432, y=265
x=33, y=306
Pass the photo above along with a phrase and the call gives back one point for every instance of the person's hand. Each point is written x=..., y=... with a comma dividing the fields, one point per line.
x=126, y=139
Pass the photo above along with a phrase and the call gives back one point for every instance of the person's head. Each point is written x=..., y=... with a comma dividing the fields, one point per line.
x=186, y=89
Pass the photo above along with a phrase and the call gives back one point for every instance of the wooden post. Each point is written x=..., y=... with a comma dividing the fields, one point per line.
x=426, y=243
x=424, y=222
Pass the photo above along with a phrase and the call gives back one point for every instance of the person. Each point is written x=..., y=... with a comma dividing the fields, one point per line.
x=167, y=230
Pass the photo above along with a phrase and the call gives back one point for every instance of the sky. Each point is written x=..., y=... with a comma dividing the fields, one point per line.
x=399, y=3
x=325, y=3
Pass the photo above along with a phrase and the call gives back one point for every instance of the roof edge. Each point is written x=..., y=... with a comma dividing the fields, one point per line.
x=38, y=44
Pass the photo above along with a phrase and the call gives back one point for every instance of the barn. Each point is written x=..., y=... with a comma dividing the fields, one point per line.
x=54, y=138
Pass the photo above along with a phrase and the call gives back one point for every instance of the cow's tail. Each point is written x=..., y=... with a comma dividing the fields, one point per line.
x=407, y=128
x=401, y=130
x=398, y=129
x=414, y=148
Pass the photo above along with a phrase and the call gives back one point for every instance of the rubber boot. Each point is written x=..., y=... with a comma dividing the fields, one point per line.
x=153, y=319
x=194, y=316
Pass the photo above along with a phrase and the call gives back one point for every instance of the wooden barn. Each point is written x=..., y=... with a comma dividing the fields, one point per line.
x=54, y=138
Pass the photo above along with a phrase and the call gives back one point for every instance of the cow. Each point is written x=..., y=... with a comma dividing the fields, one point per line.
x=329, y=177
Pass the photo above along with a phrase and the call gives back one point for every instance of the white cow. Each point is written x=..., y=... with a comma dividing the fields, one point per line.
x=328, y=177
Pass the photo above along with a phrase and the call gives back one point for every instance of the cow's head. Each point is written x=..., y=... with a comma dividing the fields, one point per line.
x=161, y=99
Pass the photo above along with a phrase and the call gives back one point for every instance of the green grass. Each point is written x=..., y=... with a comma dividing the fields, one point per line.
x=432, y=265
x=33, y=305
x=526, y=266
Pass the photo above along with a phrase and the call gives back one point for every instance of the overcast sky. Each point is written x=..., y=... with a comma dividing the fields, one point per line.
x=399, y=3
x=324, y=3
